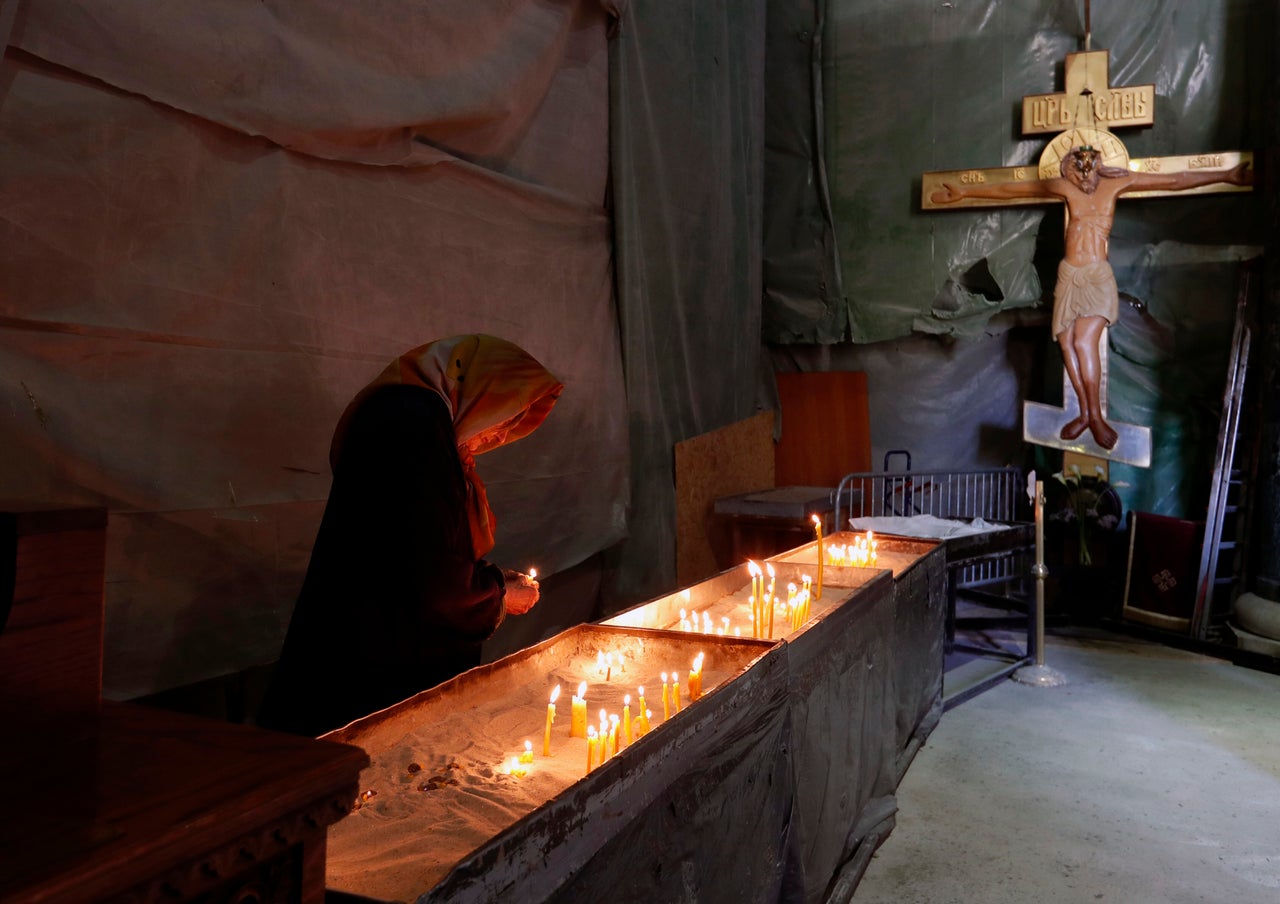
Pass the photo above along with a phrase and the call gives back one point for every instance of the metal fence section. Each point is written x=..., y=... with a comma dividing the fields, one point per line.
x=993, y=494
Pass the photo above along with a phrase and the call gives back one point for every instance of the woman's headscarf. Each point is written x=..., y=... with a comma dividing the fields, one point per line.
x=497, y=393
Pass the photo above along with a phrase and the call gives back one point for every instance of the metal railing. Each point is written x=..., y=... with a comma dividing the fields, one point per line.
x=993, y=494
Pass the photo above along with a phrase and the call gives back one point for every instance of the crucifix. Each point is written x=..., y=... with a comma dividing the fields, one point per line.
x=1086, y=167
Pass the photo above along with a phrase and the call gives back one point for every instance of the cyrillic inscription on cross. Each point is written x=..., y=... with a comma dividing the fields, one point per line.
x=1086, y=76
x=1088, y=169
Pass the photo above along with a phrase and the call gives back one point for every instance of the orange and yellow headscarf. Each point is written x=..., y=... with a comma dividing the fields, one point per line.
x=497, y=393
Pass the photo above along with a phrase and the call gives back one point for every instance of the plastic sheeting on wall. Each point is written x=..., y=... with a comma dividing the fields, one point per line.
x=219, y=221
x=687, y=106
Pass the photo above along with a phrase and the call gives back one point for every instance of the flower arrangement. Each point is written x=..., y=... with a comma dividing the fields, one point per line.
x=1091, y=503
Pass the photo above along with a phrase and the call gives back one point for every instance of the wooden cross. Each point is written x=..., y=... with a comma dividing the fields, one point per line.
x=1082, y=115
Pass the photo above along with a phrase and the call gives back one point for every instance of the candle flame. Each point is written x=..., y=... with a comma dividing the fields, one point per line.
x=582, y=690
x=528, y=746
x=664, y=677
x=555, y=694
x=817, y=520
x=626, y=700
x=697, y=662
x=591, y=732
x=641, y=689
x=533, y=573
x=753, y=569
x=768, y=566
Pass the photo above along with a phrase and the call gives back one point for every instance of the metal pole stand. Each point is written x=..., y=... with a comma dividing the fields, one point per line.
x=1039, y=675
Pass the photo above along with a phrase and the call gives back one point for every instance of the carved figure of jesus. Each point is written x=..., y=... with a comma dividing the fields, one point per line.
x=1085, y=298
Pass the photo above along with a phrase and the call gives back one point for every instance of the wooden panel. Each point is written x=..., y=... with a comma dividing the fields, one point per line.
x=150, y=806
x=734, y=459
x=826, y=430
x=51, y=589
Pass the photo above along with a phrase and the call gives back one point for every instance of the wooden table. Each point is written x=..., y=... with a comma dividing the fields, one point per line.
x=146, y=805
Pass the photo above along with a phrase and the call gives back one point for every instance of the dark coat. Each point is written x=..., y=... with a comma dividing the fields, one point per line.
x=395, y=600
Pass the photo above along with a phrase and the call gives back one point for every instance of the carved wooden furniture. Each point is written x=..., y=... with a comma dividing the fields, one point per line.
x=118, y=802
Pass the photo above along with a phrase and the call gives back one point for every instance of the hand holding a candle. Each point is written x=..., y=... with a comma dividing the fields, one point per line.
x=522, y=591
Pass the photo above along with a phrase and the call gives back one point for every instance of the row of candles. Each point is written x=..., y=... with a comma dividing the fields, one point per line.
x=613, y=732
x=860, y=553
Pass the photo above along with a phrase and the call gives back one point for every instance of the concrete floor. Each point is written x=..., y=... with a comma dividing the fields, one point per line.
x=1153, y=775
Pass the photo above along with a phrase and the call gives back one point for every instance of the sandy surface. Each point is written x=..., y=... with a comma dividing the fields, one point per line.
x=894, y=554
x=438, y=786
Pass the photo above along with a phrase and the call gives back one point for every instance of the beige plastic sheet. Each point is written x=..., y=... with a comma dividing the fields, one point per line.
x=218, y=221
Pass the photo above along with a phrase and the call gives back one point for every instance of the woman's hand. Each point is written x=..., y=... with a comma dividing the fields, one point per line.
x=522, y=593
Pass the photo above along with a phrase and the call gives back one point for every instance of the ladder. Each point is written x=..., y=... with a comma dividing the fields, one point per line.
x=1222, y=555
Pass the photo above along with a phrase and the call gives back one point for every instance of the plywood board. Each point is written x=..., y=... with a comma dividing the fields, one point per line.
x=734, y=459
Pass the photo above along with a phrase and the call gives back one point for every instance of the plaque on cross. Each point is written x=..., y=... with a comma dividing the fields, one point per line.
x=1088, y=169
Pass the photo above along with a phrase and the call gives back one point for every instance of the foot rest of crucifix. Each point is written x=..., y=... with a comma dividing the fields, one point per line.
x=1042, y=423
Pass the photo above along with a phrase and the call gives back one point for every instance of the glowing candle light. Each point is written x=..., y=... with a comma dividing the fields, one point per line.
x=613, y=734
x=516, y=769
x=769, y=566
x=675, y=691
x=666, y=699
x=591, y=746
x=644, y=715
x=626, y=717
x=527, y=756
x=604, y=732
x=757, y=581
x=551, y=717
x=608, y=661
x=533, y=574
x=578, y=713
x=695, y=678
x=600, y=663
x=817, y=527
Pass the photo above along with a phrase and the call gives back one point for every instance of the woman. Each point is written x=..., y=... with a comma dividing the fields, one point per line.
x=397, y=597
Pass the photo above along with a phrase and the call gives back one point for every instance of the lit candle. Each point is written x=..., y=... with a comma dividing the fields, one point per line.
x=551, y=717
x=578, y=713
x=591, y=746
x=757, y=580
x=613, y=735
x=514, y=768
x=666, y=699
x=817, y=527
x=604, y=733
x=644, y=715
x=626, y=716
x=608, y=660
x=527, y=756
x=533, y=574
x=695, y=679
x=772, y=578
x=675, y=691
